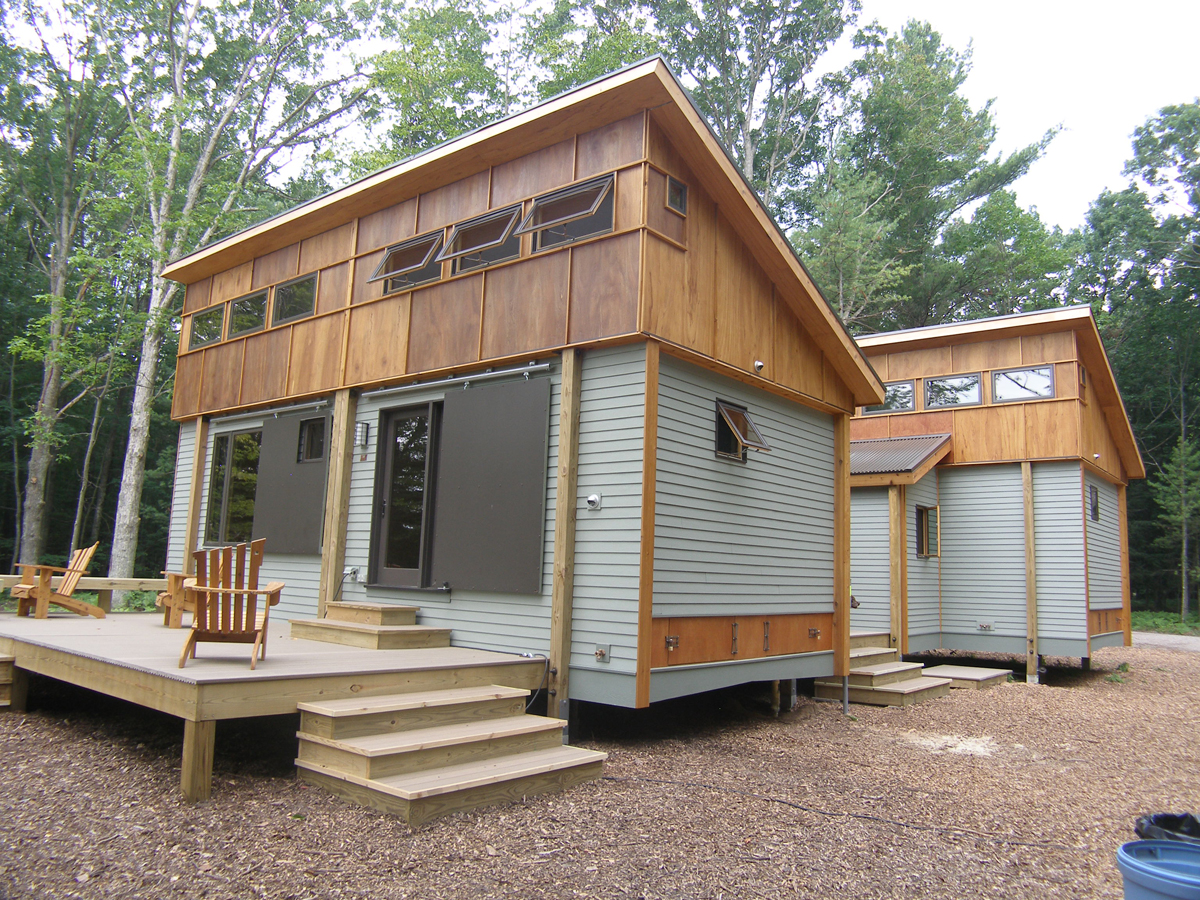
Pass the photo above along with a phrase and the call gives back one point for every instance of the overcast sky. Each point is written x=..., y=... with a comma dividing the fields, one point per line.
x=1097, y=69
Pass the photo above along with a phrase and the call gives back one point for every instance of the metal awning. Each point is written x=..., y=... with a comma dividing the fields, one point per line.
x=898, y=455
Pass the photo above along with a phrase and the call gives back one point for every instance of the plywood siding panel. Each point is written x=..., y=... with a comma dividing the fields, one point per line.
x=870, y=560
x=378, y=340
x=197, y=295
x=980, y=355
x=265, y=365
x=869, y=428
x=799, y=363
x=333, y=287
x=985, y=433
x=604, y=288
x=1041, y=348
x=275, y=267
x=1051, y=429
x=1066, y=380
x=669, y=313
x=627, y=212
x=836, y=393
x=364, y=268
x=919, y=363
x=525, y=306
x=184, y=460
x=609, y=147
x=924, y=573
x=701, y=270
x=316, y=355
x=387, y=226
x=444, y=329
x=231, y=283
x=533, y=174
x=744, y=307
x=1059, y=551
x=737, y=538
x=326, y=249
x=941, y=422
x=658, y=215
x=186, y=398
x=453, y=203
x=222, y=376
x=1103, y=545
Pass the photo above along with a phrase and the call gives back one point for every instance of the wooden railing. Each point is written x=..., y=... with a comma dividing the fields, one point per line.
x=102, y=587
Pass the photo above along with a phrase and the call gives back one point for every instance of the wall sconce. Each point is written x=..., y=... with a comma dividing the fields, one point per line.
x=362, y=433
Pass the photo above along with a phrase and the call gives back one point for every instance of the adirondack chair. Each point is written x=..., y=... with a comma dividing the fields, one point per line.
x=175, y=600
x=227, y=605
x=34, y=592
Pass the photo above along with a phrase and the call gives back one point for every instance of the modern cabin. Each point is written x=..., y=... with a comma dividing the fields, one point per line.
x=561, y=383
x=988, y=489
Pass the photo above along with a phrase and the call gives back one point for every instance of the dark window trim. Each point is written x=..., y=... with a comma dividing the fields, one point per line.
x=434, y=238
x=300, y=457
x=1053, y=384
x=275, y=319
x=682, y=211
x=527, y=227
x=449, y=252
x=882, y=410
x=192, y=345
x=265, y=293
x=925, y=390
x=1094, y=502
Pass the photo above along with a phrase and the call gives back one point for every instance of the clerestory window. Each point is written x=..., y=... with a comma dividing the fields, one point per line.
x=570, y=214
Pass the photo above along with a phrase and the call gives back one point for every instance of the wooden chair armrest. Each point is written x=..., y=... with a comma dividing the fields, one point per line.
x=40, y=566
x=211, y=589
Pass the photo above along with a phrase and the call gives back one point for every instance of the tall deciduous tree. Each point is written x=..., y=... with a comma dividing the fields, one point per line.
x=1176, y=490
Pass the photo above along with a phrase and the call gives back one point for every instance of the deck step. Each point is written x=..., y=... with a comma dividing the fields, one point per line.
x=420, y=796
x=392, y=713
x=875, y=674
x=869, y=656
x=371, y=637
x=372, y=613
x=899, y=693
x=974, y=678
x=869, y=639
x=6, y=677
x=383, y=755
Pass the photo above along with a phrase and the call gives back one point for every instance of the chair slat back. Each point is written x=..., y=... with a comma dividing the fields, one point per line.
x=235, y=568
x=76, y=569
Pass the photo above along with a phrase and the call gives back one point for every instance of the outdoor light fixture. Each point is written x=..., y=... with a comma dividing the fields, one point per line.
x=362, y=432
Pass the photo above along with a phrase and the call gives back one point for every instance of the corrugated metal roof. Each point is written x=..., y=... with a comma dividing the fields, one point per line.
x=893, y=455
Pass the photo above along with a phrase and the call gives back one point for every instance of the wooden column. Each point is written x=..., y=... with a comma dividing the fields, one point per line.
x=649, y=491
x=1126, y=595
x=565, y=506
x=841, y=545
x=1031, y=620
x=191, y=534
x=18, y=691
x=195, y=778
x=337, y=498
x=898, y=565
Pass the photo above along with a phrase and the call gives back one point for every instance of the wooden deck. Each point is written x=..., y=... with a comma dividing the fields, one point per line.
x=134, y=657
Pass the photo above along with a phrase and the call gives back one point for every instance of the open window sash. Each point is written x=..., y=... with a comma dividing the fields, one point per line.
x=743, y=427
x=480, y=234
x=408, y=257
x=566, y=206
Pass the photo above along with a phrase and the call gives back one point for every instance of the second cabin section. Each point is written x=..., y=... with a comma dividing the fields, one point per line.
x=560, y=383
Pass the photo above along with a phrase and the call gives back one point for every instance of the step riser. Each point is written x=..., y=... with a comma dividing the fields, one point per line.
x=977, y=685
x=345, y=727
x=398, y=616
x=366, y=640
x=870, y=659
x=858, y=641
x=418, y=812
x=876, y=680
x=867, y=697
x=404, y=763
x=5, y=695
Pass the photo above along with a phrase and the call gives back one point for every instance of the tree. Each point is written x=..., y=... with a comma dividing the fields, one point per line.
x=1176, y=490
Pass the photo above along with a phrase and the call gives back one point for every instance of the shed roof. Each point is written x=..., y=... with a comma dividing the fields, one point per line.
x=898, y=455
x=646, y=85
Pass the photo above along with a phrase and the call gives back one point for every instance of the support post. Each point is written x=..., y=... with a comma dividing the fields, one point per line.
x=1032, y=659
x=1126, y=595
x=897, y=550
x=841, y=545
x=195, y=777
x=18, y=691
x=649, y=493
x=565, y=506
x=337, y=498
x=191, y=533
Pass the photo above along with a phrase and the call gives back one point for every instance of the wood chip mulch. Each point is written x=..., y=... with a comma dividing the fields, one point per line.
x=1020, y=791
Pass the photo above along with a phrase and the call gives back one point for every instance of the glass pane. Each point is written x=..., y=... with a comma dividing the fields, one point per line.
x=743, y=426
x=563, y=206
x=1022, y=384
x=243, y=486
x=248, y=314
x=482, y=233
x=312, y=440
x=206, y=327
x=727, y=442
x=677, y=195
x=410, y=264
x=296, y=299
x=897, y=396
x=957, y=390
x=931, y=539
x=406, y=493
x=599, y=222
x=477, y=259
x=216, y=489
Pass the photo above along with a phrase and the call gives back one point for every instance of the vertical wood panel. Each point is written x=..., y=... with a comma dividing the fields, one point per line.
x=364, y=268
x=387, y=226
x=744, y=308
x=662, y=153
x=918, y=363
x=1031, y=611
x=333, y=287
x=453, y=203
x=627, y=212
x=1051, y=429
x=326, y=249
x=896, y=554
x=197, y=295
x=337, y=497
x=186, y=399
x=799, y=363
x=316, y=355
x=668, y=312
x=989, y=433
x=836, y=393
x=566, y=503
x=231, y=283
x=1002, y=354
x=191, y=534
x=609, y=147
x=1040, y=348
x=275, y=267
x=1066, y=382
x=377, y=340
x=525, y=306
x=534, y=173
x=649, y=491
x=444, y=329
x=869, y=428
x=222, y=378
x=265, y=365
x=604, y=288
x=841, y=545
x=658, y=215
x=941, y=422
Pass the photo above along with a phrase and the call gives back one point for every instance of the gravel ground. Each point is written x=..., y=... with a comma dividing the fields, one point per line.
x=1020, y=791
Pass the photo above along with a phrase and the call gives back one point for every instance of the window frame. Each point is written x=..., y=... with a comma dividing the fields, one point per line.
x=265, y=293
x=389, y=278
x=672, y=181
x=923, y=530
x=276, y=319
x=220, y=537
x=456, y=256
x=724, y=421
x=379, y=573
x=608, y=185
x=305, y=426
x=996, y=373
x=192, y=345
x=978, y=376
x=1094, y=503
x=883, y=409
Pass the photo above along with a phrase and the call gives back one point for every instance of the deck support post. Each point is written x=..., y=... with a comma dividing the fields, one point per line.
x=565, y=505
x=18, y=691
x=1032, y=659
x=195, y=777
x=191, y=533
x=841, y=546
x=898, y=569
x=337, y=498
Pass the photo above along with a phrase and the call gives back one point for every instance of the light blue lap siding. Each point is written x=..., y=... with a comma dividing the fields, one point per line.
x=734, y=538
x=1058, y=551
x=983, y=551
x=870, y=565
x=1104, y=547
x=924, y=600
x=184, y=461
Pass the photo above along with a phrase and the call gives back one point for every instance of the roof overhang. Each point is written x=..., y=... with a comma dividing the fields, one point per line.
x=646, y=85
x=899, y=460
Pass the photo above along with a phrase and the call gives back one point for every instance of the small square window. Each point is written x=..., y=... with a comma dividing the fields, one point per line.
x=955, y=390
x=410, y=264
x=1023, y=384
x=483, y=241
x=312, y=440
x=898, y=396
x=1094, y=502
x=736, y=432
x=677, y=195
x=295, y=300
x=248, y=314
x=571, y=214
x=206, y=327
x=927, y=531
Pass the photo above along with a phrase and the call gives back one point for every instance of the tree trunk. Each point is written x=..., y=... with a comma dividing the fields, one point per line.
x=102, y=484
x=18, y=494
x=81, y=500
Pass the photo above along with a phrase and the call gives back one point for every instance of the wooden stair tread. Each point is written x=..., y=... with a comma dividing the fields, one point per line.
x=384, y=703
x=909, y=686
x=886, y=668
x=974, y=676
x=376, y=745
x=362, y=628
x=371, y=607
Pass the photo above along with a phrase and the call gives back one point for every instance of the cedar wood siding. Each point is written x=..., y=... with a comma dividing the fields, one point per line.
x=870, y=562
x=924, y=592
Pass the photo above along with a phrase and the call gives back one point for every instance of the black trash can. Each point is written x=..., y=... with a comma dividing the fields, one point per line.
x=1168, y=827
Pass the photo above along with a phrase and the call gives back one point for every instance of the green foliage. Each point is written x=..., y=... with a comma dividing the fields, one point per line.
x=1114, y=678
x=1164, y=622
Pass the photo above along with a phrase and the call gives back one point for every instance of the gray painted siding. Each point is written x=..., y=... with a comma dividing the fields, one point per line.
x=734, y=538
x=1104, y=548
x=924, y=592
x=1058, y=551
x=184, y=460
x=983, y=552
x=870, y=564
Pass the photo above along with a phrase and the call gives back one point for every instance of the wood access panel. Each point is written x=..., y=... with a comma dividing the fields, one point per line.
x=333, y=287
x=1105, y=621
x=453, y=202
x=525, y=306
x=707, y=639
x=222, y=376
x=444, y=329
x=378, y=344
x=387, y=226
x=609, y=147
x=265, y=365
x=604, y=288
x=532, y=174
x=316, y=355
x=275, y=267
x=196, y=295
x=327, y=248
